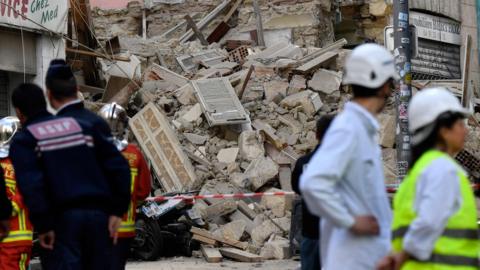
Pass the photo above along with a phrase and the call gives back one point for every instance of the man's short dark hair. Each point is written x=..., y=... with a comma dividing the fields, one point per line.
x=60, y=80
x=29, y=99
x=364, y=92
x=322, y=125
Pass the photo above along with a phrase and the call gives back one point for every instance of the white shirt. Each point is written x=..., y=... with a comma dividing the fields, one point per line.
x=437, y=198
x=345, y=179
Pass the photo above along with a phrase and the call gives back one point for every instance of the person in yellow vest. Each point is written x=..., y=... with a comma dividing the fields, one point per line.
x=435, y=216
x=16, y=248
x=117, y=119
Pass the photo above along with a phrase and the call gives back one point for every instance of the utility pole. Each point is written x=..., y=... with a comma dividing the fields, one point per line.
x=403, y=62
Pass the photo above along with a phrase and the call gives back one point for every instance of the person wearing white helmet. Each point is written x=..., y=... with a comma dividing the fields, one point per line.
x=435, y=216
x=344, y=182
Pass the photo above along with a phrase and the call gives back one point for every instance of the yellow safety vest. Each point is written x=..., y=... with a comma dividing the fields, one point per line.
x=458, y=247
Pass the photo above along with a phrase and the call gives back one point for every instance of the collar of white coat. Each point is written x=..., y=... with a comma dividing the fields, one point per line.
x=68, y=104
x=371, y=122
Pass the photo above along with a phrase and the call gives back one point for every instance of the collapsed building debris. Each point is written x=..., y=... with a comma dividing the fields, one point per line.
x=232, y=117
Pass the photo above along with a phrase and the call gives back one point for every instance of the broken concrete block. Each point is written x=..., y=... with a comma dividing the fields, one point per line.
x=234, y=230
x=195, y=139
x=285, y=178
x=297, y=83
x=305, y=100
x=288, y=120
x=262, y=232
x=239, y=179
x=275, y=90
x=260, y=171
x=278, y=204
x=228, y=155
x=326, y=81
x=220, y=209
x=251, y=145
x=239, y=215
x=186, y=95
x=193, y=114
x=387, y=130
x=278, y=248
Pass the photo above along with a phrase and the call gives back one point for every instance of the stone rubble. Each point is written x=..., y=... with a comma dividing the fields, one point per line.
x=283, y=108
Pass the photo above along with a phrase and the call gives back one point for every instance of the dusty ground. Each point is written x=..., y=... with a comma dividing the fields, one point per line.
x=182, y=263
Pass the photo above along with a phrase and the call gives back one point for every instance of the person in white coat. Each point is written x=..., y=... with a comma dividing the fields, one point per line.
x=344, y=183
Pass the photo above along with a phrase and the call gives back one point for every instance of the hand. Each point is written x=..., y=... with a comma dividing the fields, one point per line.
x=4, y=228
x=399, y=260
x=386, y=263
x=114, y=223
x=47, y=240
x=365, y=225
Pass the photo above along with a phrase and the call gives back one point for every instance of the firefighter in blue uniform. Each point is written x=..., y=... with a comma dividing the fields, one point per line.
x=75, y=183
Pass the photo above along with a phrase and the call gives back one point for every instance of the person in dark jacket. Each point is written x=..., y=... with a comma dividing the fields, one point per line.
x=73, y=181
x=5, y=209
x=310, y=247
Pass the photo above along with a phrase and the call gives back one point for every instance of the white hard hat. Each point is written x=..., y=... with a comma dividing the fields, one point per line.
x=370, y=65
x=117, y=118
x=427, y=105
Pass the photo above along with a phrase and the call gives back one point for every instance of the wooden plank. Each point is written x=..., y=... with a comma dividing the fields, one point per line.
x=205, y=21
x=122, y=97
x=156, y=72
x=99, y=55
x=240, y=255
x=317, y=62
x=114, y=85
x=162, y=148
x=204, y=240
x=229, y=242
x=191, y=24
x=258, y=15
x=211, y=255
x=222, y=29
x=331, y=47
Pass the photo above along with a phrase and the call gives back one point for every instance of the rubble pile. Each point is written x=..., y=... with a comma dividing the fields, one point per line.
x=233, y=117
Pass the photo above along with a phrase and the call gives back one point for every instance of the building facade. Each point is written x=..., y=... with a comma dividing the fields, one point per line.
x=30, y=37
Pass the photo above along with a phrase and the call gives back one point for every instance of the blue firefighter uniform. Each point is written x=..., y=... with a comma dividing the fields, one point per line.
x=72, y=179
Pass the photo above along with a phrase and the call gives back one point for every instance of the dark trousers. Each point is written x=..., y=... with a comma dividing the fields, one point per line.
x=310, y=254
x=82, y=242
x=120, y=253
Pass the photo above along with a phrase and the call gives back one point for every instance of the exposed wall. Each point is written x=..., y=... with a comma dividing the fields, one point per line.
x=109, y=4
x=309, y=20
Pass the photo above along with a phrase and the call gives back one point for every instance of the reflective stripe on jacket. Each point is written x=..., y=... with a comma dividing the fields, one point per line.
x=458, y=247
x=140, y=188
x=21, y=232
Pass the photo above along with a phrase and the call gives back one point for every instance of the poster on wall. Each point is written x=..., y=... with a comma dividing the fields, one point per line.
x=43, y=15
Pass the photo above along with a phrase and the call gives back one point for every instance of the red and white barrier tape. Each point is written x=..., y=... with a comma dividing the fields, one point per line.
x=245, y=195
x=219, y=196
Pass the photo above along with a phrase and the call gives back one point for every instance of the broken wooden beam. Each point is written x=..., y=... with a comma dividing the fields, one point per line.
x=211, y=255
x=99, y=55
x=205, y=240
x=331, y=47
x=222, y=29
x=205, y=21
x=207, y=234
x=240, y=255
x=258, y=14
x=316, y=63
x=191, y=24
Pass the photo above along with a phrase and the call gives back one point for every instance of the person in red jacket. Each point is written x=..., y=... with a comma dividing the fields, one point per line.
x=117, y=118
x=16, y=248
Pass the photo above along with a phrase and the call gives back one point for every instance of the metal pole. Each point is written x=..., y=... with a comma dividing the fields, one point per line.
x=403, y=62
